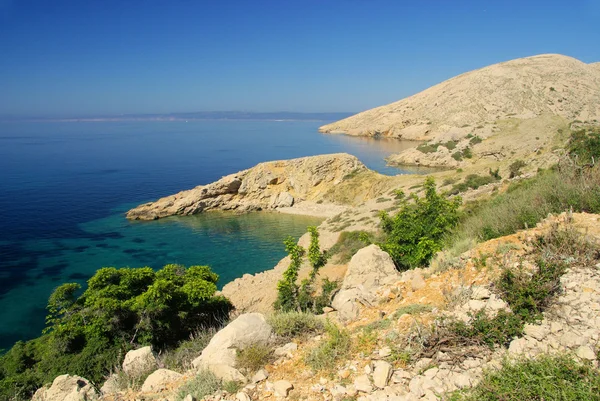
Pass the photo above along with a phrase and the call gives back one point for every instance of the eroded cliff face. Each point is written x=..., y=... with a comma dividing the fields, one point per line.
x=269, y=185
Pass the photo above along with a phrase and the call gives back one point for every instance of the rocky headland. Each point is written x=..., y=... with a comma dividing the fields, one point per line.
x=270, y=185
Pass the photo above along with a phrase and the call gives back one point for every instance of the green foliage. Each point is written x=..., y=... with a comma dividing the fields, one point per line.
x=254, y=356
x=528, y=293
x=457, y=156
x=203, y=384
x=231, y=386
x=482, y=329
x=121, y=308
x=475, y=140
x=557, y=378
x=290, y=296
x=450, y=145
x=515, y=168
x=585, y=145
x=180, y=358
x=415, y=233
x=348, y=243
x=329, y=352
x=411, y=309
x=527, y=202
x=467, y=153
x=294, y=324
x=473, y=181
x=428, y=148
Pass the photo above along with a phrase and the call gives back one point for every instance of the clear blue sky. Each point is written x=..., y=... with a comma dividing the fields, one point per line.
x=83, y=57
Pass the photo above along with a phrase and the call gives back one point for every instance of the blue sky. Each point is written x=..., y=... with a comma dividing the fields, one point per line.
x=72, y=58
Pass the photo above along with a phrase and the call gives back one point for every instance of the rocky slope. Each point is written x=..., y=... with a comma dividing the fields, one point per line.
x=269, y=185
x=548, y=84
x=383, y=310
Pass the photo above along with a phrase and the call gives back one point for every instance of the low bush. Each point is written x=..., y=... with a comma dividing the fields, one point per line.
x=527, y=202
x=254, y=356
x=415, y=233
x=294, y=324
x=348, y=243
x=515, y=168
x=180, y=358
x=203, y=384
x=585, y=145
x=475, y=140
x=428, y=148
x=474, y=181
x=411, y=309
x=557, y=378
x=334, y=348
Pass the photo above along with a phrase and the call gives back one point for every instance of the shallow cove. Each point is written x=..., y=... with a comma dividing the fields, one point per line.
x=65, y=187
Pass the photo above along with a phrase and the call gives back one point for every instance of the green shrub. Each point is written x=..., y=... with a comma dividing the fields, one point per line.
x=121, y=308
x=428, y=148
x=458, y=156
x=415, y=233
x=450, y=145
x=527, y=202
x=515, y=168
x=180, y=358
x=557, y=378
x=203, y=384
x=303, y=297
x=585, y=145
x=330, y=351
x=475, y=140
x=473, y=181
x=467, y=153
x=294, y=324
x=348, y=243
x=254, y=356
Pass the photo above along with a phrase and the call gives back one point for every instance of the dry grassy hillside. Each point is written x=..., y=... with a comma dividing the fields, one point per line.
x=525, y=88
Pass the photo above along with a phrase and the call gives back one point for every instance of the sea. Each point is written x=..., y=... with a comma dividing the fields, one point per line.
x=65, y=186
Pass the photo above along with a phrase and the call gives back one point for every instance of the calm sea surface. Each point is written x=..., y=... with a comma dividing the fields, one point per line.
x=64, y=188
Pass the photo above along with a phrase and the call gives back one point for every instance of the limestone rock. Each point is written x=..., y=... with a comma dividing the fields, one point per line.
x=247, y=329
x=160, y=380
x=139, y=361
x=363, y=384
x=282, y=388
x=67, y=388
x=260, y=376
x=417, y=282
x=285, y=350
x=586, y=352
x=111, y=385
x=382, y=373
x=274, y=184
x=242, y=397
x=369, y=269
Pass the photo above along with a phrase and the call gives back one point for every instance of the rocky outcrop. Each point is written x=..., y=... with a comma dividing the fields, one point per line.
x=550, y=84
x=269, y=185
x=139, y=361
x=369, y=269
x=67, y=388
x=219, y=356
x=160, y=379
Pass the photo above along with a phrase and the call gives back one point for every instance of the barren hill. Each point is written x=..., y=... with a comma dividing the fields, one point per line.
x=549, y=84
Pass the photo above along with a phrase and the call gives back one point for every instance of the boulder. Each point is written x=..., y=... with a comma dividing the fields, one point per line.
x=368, y=270
x=67, y=388
x=363, y=384
x=283, y=199
x=219, y=356
x=260, y=376
x=139, y=361
x=285, y=350
x=111, y=385
x=160, y=380
x=382, y=373
x=282, y=388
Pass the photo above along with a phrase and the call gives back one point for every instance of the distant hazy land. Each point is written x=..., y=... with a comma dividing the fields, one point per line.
x=201, y=115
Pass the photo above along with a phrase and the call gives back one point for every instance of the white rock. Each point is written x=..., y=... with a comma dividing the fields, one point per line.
x=385, y=352
x=382, y=373
x=536, y=331
x=363, y=384
x=480, y=293
x=189, y=397
x=285, y=350
x=369, y=269
x=417, y=281
x=260, y=376
x=226, y=373
x=282, y=388
x=67, y=388
x=247, y=329
x=586, y=352
x=400, y=375
x=159, y=380
x=475, y=305
x=241, y=396
x=338, y=391
x=111, y=385
x=139, y=361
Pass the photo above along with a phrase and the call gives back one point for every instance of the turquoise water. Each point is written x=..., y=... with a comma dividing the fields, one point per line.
x=65, y=188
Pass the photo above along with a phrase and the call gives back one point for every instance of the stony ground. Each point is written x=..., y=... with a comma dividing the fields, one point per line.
x=377, y=369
